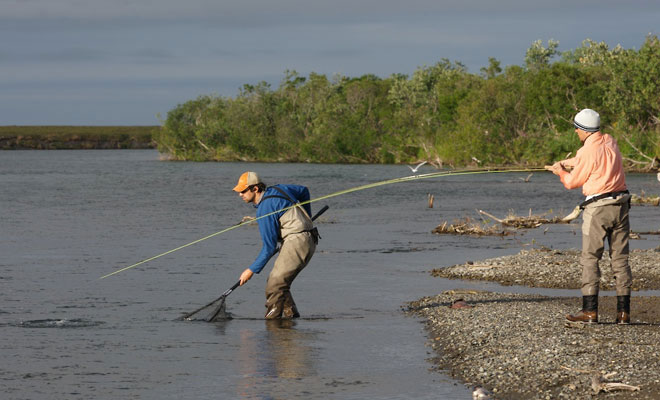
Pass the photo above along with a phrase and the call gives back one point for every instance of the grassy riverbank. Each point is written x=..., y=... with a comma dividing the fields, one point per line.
x=76, y=137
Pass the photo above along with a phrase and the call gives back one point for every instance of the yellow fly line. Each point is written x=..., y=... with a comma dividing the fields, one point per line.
x=335, y=194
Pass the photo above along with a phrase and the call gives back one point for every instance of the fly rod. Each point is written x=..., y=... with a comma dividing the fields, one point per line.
x=338, y=193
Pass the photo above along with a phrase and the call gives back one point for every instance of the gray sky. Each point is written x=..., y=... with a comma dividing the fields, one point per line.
x=122, y=62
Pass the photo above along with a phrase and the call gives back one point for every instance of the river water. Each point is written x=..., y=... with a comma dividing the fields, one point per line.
x=69, y=217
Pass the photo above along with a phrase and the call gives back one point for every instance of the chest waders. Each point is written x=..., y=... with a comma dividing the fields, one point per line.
x=298, y=239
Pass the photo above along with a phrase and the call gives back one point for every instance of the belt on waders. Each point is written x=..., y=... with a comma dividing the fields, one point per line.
x=602, y=196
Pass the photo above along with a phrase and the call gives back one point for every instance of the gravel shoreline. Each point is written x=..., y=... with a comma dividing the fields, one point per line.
x=558, y=269
x=520, y=346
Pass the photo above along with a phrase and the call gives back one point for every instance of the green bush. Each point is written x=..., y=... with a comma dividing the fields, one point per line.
x=442, y=113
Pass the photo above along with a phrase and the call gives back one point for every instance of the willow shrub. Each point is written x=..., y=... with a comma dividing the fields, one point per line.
x=441, y=113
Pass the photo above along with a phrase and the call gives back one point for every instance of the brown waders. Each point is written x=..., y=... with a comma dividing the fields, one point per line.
x=299, y=239
x=295, y=254
x=605, y=219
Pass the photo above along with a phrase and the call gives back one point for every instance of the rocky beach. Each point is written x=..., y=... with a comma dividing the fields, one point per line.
x=558, y=269
x=520, y=346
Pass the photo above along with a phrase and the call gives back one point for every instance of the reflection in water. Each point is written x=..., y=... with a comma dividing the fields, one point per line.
x=269, y=359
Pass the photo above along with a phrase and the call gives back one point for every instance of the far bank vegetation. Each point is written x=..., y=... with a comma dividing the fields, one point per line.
x=519, y=115
x=76, y=137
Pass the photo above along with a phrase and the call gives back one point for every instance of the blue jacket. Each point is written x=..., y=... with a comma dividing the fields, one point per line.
x=269, y=227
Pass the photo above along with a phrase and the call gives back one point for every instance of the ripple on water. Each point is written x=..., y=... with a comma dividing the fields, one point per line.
x=59, y=323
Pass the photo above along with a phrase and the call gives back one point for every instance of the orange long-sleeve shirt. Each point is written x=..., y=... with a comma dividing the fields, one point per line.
x=597, y=167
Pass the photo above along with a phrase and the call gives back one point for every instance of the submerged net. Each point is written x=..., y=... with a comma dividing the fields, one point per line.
x=212, y=312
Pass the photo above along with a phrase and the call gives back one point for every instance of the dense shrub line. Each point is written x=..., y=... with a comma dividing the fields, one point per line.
x=442, y=113
x=51, y=137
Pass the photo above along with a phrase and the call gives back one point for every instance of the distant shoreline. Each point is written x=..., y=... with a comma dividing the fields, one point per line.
x=110, y=137
x=61, y=137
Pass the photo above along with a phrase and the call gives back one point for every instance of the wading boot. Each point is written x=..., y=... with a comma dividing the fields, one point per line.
x=290, y=311
x=589, y=312
x=623, y=310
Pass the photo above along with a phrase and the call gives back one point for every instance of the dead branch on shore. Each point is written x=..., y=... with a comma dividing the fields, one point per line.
x=644, y=199
x=600, y=383
x=574, y=214
x=531, y=221
x=467, y=226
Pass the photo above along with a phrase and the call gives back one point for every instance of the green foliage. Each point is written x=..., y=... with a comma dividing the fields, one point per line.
x=538, y=56
x=592, y=53
x=634, y=88
x=442, y=113
x=77, y=137
x=492, y=70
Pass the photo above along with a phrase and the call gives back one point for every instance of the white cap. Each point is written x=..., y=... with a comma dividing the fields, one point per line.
x=588, y=120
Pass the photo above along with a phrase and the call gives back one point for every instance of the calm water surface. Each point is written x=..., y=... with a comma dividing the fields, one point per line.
x=70, y=217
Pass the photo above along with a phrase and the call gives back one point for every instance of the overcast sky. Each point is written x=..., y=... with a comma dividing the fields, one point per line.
x=123, y=62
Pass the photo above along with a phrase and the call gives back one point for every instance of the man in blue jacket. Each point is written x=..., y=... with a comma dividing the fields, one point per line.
x=286, y=222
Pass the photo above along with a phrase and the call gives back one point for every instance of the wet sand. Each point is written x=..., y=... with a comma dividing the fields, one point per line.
x=520, y=346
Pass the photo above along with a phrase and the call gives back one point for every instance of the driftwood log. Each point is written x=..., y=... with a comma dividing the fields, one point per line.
x=644, y=199
x=466, y=226
x=601, y=383
x=531, y=221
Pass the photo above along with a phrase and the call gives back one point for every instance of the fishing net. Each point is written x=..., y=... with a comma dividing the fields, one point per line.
x=212, y=312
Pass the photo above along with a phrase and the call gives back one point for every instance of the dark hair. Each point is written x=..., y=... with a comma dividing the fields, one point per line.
x=260, y=187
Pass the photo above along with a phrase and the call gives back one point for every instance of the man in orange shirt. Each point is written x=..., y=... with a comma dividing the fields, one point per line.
x=598, y=169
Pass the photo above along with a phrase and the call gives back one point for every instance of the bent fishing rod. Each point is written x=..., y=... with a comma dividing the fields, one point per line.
x=335, y=194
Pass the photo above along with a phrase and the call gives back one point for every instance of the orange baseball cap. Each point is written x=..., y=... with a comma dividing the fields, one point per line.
x=246, y=180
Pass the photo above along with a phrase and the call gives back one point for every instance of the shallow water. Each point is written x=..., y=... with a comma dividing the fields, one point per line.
x=70, y=217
